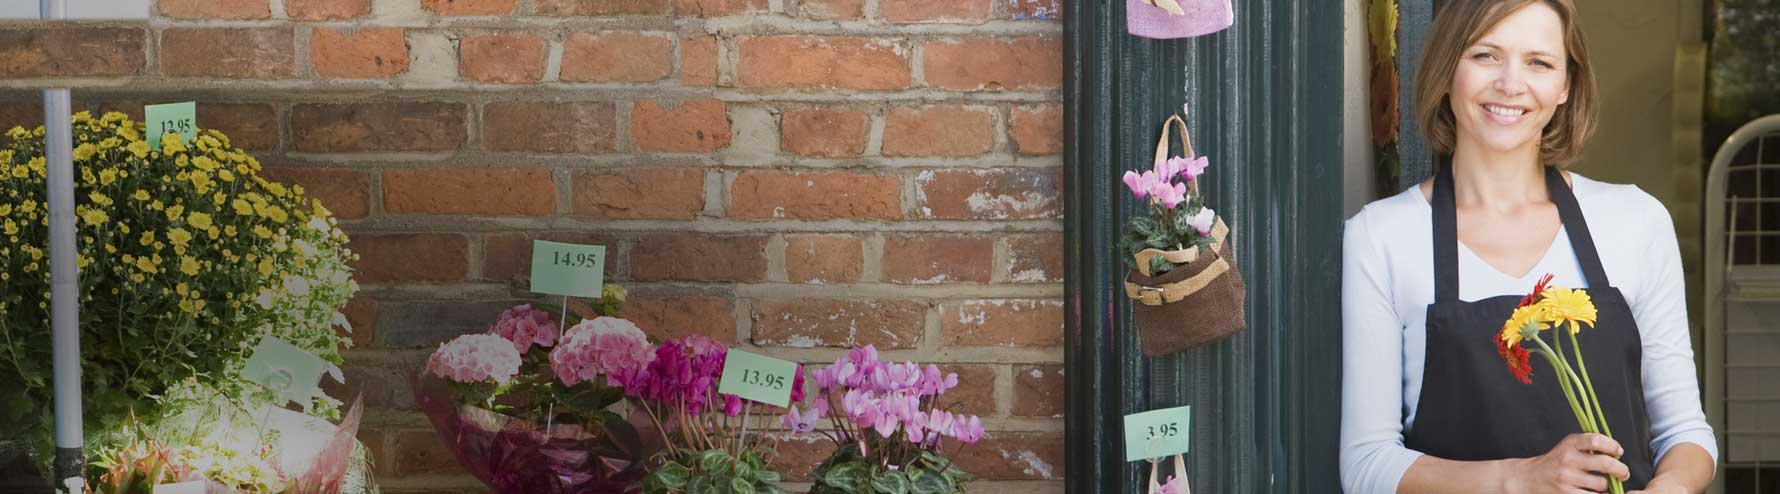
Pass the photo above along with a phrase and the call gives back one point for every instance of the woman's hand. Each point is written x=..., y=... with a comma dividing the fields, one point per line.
x=1570, y=467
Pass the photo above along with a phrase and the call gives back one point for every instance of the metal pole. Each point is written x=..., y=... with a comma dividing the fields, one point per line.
x=58, y=150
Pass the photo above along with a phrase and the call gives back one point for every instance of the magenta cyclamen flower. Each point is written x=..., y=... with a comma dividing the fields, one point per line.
x=475, y=358
x=603, y=345
x=682, y=374
x=526, y=326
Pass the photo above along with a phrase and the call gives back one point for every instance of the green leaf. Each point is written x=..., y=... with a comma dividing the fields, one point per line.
x=848, y=477
x=891, y=483
x=700, y=485
x=743, y=470
x=932, y=484
x=765, y=475
x=715, y=460
x=741, y=485
x=673, y=475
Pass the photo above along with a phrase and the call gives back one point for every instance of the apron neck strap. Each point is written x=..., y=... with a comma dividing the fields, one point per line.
x=1446, y=239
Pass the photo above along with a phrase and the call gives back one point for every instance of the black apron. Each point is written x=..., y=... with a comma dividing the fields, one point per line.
x=1472, y=408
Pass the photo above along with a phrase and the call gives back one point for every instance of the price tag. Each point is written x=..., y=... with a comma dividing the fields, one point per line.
x=286, y=369
x=179, y=118
x=758, y=377
x=569, y=270
x=1157, y=433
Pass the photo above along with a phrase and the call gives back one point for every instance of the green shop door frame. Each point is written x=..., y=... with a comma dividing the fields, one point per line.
x=1265, y=105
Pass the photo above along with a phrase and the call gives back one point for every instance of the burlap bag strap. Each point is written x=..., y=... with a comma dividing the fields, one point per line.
x=1173, y=292
x=1186, y=144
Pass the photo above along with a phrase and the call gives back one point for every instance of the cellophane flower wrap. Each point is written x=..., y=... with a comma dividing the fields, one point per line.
x=526, y=407
x=710, y=447
x=1564, y=311
x=891, y=429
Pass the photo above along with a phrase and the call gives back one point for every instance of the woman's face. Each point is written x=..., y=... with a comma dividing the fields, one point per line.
x=1509, y=84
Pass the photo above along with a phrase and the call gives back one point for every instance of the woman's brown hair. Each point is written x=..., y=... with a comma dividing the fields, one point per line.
x=1457, y=26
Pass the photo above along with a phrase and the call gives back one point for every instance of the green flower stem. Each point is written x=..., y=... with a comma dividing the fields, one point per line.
x=1568, y=394
x=1575, y=382
x=1588, y=385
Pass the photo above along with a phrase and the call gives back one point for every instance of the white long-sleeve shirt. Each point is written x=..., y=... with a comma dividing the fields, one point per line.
x=1388, y=282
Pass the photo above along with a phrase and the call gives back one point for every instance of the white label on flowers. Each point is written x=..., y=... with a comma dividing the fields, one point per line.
x=569, y=270
x=285, y=369
x=758, y=378
x=1157, y=433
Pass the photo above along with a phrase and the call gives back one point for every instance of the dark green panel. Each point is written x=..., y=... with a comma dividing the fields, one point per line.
x=1265, y=106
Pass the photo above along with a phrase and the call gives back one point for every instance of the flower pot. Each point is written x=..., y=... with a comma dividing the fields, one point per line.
x=1197, y=303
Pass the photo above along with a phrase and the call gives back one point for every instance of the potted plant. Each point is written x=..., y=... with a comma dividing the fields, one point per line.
x=889, y=426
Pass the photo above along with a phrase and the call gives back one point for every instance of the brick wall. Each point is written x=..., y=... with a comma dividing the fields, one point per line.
x=796, y=175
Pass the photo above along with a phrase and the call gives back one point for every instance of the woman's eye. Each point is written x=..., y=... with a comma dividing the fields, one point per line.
x=1542, y=64
x=1485, y=56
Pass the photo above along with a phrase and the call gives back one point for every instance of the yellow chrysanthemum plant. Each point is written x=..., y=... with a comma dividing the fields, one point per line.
x=187, y=258
x=1565, y=311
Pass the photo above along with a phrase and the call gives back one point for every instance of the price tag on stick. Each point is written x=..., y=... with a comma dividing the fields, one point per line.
x=178, y=118
x=569, y=270
x=284, y=368
x=1157, y=433
x=758, y=378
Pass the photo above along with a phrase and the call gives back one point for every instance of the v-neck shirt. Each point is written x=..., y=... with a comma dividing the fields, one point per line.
x=1388, y=282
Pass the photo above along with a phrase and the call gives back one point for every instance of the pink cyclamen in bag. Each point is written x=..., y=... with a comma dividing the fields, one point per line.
x=1197, y=18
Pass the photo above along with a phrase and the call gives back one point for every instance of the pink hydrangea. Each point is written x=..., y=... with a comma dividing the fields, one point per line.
x=475, y=358
x=606, y=346
x=526, y=326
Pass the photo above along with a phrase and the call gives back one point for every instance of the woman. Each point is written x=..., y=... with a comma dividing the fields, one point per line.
x=1506, y=98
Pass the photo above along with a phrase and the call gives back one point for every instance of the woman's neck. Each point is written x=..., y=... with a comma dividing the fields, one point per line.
x=1497, y=180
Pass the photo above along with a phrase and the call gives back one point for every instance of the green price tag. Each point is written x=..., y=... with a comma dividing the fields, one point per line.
x=179, y=118
x=283, y=368
x=1157, y=433
x=569, y=270
x=758, y=377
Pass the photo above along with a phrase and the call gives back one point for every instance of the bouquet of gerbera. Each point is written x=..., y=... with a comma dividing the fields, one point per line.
x=891, y=429
x=709, y=449
x=1565, y=311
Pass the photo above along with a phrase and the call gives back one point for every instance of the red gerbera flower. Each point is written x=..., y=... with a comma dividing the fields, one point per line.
x=1517, y=359
x=1538, y=288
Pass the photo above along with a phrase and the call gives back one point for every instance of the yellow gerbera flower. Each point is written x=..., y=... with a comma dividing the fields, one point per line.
x=1563, y=305
x=1514, y=330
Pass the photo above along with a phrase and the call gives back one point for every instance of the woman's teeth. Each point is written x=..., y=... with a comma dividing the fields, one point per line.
x=1504, y=111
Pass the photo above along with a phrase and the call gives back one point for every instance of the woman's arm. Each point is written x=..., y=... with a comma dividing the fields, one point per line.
x=1671, y=389
x=1687, y=469
x=1373, y=458
x=1570, y=468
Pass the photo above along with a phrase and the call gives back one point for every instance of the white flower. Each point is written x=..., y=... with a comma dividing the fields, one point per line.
x=1203, y=221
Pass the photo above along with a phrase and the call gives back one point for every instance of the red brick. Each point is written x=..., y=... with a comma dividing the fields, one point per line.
x=831, y=62
x=832, y=9
x=550, y=126
x=824, y=132
x=931, y=259
x=716, y=8
x=1032, y=323
x=410, y=257
x=228, y=53
x=419, y=452
x=906, y=11
x=812, y=323
x=1014, y=456
x=821, y=259
x=507, y=257
x=798, y=455
x=669, y=317
x=1038, y=129
x=698, y=60
x=71, y=52
x=600, y=7
x=214, y=9
x=392, y=126
x=361, y=313
x=699, y=257
x=250, y=126
x=1036, y=10
x=345, y=192
x=975, y=394
x=469, y=7
x=641, y=193
x=326, y=10
x=939, y=131
x=363, y=53
x=1038, y=391
x=776, y=194
x=27, y=114
x=617, y=56
x=502, y=58
x=1035, y=258
x=989, y=194
x=696, y=126
x=470, y=191
x=994, y=64
x=378, y=385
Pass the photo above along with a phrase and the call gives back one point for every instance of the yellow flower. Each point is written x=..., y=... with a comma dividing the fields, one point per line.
x=138, y=148
x=199, y=220
x=148, y=238
x=171, y=143
x=266, y=267
x=225, y=175
x=229, y=230
x=1513, y=330
x=173, y=213
x=93, y=217
x=83, y=261
x=108, y=176
x=179, y=236
x=141, y=195
x=129, y=132
x=156, y=205
x=99, y=199
x=1564, y=305
x=183, y=161
x=138, y=278
x=108, y=143
x=242, y=207
x=145, y=264
x=204, y=163
x=182, y=289
x=84, y=151
x=219, y=198
x=5, y=209
x=81, y=117
x=20, y=171
x=28, y=207
x=188, y=266
x=111, y=116
x=262, y=231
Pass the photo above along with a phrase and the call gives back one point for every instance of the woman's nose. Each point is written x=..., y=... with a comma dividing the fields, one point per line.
x=1510, y=79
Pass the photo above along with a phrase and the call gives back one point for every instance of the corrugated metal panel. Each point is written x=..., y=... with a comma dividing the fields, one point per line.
x=1265, y=101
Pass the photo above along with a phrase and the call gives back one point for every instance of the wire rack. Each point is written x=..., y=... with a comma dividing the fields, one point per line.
x=1742, y=347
